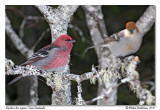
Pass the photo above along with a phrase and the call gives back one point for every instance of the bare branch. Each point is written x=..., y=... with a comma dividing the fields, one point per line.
x=15, y=39
x=151, y=83
x=98, y=18
x=40, y=38
x=36, y=18
x=147, y=20
x=58, y=18
x=47, y=11
x=21, y=30
x=80, y=32
x=103, y=54
x=27, y=53
x=103, y=96
x=16, y=10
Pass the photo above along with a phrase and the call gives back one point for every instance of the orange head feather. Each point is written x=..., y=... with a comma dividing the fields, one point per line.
x=131, y=25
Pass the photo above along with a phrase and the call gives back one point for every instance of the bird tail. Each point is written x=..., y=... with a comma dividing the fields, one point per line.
x=107, y=41
x=14, y=80
x=92, y=47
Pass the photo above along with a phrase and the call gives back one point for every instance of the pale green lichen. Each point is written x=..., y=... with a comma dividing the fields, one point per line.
x=101, y=73
x=11, y=63
x=138, y=93
x=123, y=70
x=136, y=75
x=132, y=87
x=93, y=81
x=107, y=77
x=99, y=80
x=150, y=98
x=55, y=80
x=131, y=67
x=79, y=101
x=58, y=81
x=49, y=81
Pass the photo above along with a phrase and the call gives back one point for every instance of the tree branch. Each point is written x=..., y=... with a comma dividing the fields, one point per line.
x=21, y=30
x=27, y=53
x=147, y=20
x=28, y=70
x=105, y=60
x=128, y=71
x=80, y=32
x=40, y=38
x=15, y=39
x=58, y=18
x=132, y=77
x=103, y=54
x=107, y=75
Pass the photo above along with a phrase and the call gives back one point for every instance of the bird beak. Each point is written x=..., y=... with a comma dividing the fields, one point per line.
x=73, y=41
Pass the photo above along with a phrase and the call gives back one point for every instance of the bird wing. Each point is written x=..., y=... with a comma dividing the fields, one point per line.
x=41, y=54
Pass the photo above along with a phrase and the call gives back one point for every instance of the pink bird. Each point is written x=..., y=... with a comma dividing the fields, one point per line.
x=53, y=57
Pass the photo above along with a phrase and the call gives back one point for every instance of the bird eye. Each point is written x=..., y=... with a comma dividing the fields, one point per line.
x=68, y=40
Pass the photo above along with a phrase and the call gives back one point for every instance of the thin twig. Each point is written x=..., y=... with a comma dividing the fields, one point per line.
x=103, y=96
x=150, y=83
x=16, y=10
x=40, y=38
x=27, y=53
x=36, y=18
x=15, y=39
x=21, y=30
x=76, y=28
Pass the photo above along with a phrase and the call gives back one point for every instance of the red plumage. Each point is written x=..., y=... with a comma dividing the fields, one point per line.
x=53, y=57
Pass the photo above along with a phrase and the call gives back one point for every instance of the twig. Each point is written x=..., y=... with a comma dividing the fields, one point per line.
x=36, y=18
x=21, y=30
x=27, y=53
x=103, y=96
x=16, y=10
x=40, y=38
x=150, y=83
x=15, y=39
x=95, y=99
x=76, y=28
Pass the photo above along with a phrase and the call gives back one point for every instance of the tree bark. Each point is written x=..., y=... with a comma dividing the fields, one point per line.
x=102, y=53
x=27, y=91
x=58, y=19
x=144, y=24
